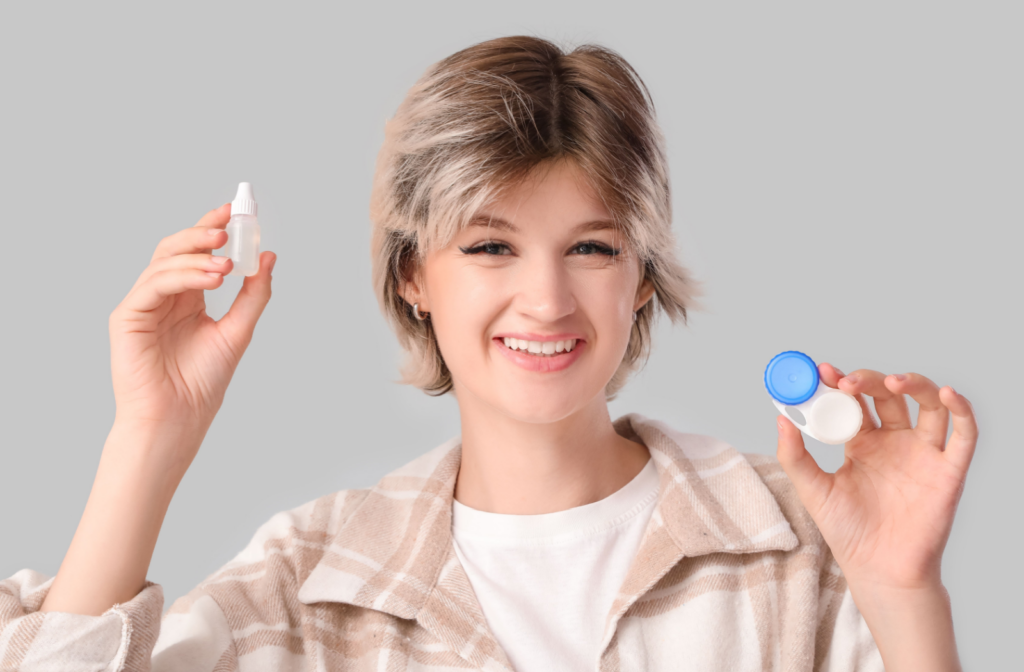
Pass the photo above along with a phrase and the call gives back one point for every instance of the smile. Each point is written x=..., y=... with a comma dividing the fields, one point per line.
x=540, y=356
x=541, y=348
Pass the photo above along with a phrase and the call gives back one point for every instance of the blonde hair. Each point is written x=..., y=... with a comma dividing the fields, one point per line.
x=476, y=124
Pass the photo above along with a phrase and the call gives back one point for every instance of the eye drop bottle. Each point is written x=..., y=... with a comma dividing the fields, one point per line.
x=243, y=246
x=822, y=412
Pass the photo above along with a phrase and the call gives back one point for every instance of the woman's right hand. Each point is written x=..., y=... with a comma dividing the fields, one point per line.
x=171, y=362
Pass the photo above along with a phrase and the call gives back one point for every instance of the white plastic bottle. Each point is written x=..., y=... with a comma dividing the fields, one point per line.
x=822, y=412
x=243, y=244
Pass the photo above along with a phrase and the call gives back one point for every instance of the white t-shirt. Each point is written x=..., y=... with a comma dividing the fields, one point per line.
x=546, y=582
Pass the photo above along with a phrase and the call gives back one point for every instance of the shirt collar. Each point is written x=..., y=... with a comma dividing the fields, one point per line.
x=394, y=552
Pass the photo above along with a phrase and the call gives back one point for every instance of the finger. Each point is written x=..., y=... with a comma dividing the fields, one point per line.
x=831, y=378
x=829, y=374
x=932, y=416
x=217, y=217
x=891, y=408
x=964, y=439
x=239, y=322
x=150, y=294
x=812, y=484
x=207, y=235
x=204, y=262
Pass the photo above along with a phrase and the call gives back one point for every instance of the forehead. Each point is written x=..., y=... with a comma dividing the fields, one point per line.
x=555, y=195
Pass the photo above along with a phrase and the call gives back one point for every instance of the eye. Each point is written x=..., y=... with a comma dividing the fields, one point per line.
x=489, y=248
x=594, y=247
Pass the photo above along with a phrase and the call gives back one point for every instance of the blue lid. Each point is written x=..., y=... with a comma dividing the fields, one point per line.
x=791, y=377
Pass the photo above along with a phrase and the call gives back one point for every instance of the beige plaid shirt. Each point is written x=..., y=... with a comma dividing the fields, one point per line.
x=731, y=574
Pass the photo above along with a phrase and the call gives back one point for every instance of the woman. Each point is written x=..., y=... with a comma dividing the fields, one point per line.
x=521, y=248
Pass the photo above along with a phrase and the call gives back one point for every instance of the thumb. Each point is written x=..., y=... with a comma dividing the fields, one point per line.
x=239, y=322
x=811, y=482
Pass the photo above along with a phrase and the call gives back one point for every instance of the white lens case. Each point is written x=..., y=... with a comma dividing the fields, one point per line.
x=822, y=412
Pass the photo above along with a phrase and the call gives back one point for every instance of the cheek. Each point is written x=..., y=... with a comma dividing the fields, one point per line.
x=608, y=303
x=467, y=303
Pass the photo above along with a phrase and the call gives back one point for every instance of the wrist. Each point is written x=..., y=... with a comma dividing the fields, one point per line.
x=912, y=626
x=155, y=455
x=887, y=597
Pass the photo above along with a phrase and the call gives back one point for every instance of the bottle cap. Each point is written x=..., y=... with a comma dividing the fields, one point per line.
x=245, y=202
x=791, y=377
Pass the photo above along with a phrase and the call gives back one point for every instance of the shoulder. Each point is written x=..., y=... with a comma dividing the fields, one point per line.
x=279, y=556
x=285, y=550
x=299, y=533
x=775, y=479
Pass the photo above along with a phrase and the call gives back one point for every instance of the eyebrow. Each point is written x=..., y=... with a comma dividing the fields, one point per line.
x=499, y=223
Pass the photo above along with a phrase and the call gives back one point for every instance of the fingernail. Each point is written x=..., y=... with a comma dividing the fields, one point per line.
x=272, y=264
x=899, y=376
x=219, y=260
x=212, y=231
x=852, y=378
x=951, y=389
x=778, y=423
x=841, y=374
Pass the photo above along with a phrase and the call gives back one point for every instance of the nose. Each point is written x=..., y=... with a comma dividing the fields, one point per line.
x=545, y=289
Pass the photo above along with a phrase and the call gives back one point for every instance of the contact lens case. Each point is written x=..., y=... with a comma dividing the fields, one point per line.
x=822, y=412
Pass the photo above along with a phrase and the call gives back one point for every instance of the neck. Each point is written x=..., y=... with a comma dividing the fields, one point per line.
x=524, y=468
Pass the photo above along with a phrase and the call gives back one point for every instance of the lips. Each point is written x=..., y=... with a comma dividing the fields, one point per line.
x=540, y=363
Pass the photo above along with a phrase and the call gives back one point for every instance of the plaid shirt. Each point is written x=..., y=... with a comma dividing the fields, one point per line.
x=731, y=574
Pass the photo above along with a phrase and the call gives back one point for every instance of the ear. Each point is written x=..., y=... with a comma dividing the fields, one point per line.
x=410, y=287
x=643, y=294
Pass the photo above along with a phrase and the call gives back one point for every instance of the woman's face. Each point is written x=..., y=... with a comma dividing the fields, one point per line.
x=548, y=269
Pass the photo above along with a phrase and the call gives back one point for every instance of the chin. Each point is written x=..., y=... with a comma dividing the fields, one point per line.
x=531, y=397
x=543, y=403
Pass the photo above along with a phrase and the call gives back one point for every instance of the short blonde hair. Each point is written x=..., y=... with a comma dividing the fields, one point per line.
x=476, y=124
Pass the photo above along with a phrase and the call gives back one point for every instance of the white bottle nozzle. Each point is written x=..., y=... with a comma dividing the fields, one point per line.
x=245, y=202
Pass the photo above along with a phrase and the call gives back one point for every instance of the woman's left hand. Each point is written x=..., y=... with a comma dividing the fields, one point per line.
x=887, y=512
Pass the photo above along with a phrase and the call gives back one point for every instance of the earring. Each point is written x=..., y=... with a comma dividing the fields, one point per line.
x=634, y=316
x=416, y=312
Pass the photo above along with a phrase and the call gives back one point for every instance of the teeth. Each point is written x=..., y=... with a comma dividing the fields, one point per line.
x=540, y=347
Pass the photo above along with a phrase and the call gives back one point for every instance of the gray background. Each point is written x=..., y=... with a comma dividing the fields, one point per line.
x=847, y=182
